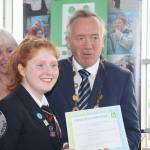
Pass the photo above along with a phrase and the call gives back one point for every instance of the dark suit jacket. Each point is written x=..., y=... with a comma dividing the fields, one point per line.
x=118, y=89
x=25, y=130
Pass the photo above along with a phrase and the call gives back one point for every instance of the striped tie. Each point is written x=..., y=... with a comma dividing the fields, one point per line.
x=84, y=89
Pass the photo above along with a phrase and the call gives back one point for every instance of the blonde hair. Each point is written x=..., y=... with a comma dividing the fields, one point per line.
x=6, y=37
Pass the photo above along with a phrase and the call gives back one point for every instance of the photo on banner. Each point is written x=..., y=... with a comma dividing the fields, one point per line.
x=36, y=18
x=131, y=19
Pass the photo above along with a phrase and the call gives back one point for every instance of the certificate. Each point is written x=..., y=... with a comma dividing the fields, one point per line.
x=94, y=129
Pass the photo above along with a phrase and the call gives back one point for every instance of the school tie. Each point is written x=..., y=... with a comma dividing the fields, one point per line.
x=52, y=118
x=84, y=89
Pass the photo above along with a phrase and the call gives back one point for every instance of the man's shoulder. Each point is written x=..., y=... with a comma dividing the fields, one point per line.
x=114, y=68
x=63, y=62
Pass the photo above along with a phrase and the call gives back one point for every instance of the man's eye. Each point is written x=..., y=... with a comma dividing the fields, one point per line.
x=80, y=39
x=94, y=38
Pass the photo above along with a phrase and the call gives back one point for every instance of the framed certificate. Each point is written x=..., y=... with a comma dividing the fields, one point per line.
x=94, y=129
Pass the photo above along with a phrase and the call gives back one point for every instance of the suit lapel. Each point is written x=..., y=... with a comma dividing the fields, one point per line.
x=33, y=108
x=68, y=82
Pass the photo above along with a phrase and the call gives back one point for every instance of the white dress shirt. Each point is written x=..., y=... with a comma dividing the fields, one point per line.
x=92, y=70
x=40, y=103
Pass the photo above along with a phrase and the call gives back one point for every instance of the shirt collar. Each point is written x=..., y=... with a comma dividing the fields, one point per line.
x=40, y=103
x=92, y=70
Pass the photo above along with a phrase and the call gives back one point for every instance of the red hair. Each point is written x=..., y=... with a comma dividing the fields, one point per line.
x=27, y=49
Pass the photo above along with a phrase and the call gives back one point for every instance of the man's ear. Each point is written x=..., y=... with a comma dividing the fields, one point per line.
x=68, y=42
x=103, y=40
x=21, y=70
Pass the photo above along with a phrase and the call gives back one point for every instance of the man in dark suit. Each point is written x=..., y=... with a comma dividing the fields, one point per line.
x=109, y=84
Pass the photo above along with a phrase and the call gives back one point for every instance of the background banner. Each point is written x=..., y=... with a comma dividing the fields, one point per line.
x=131, y=9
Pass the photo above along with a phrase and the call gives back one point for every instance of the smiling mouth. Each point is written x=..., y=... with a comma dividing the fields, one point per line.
x=47, y=80
x=3, y=65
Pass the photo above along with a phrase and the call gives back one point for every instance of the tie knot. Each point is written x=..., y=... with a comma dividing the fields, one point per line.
x=46, y=108
x=84, y=73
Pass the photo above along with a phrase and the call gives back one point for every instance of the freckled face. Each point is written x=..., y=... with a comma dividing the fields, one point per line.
x=41, y=73
x=5, y=53
x=86, y=41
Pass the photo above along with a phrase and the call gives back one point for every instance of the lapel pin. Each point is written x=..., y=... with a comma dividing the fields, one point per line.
x=39, y=115
x=45, y=122
x=52, y=134
x=51, y=128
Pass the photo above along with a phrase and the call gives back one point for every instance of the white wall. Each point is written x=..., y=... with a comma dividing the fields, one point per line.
x=17, y=20
x=1, y=13
x=8, y=15
x=11, y=17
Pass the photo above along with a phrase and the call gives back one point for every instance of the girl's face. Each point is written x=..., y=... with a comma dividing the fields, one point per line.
x=40, y=74
x=39, y=34
x=118, y=24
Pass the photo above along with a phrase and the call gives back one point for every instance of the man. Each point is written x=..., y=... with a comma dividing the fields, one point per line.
x=46, y=31
x=109, y=84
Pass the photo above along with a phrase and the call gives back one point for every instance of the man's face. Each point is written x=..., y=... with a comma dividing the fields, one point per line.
x=46, y=30
x=86, y=41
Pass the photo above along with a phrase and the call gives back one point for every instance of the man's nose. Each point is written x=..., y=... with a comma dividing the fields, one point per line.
x=88, y=43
